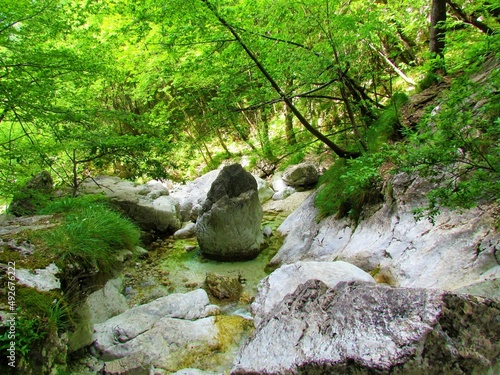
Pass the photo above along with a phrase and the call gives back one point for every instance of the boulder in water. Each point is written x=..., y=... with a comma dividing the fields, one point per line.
x=229, y=225
x=223, y=286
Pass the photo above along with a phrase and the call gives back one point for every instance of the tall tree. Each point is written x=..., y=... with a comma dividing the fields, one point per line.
x=437, y=35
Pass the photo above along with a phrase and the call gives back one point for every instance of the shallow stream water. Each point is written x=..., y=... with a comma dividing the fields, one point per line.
x=177, y=266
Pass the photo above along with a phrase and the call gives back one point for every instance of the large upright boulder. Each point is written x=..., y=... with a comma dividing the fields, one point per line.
x=193, y=194
x=229, y=224
x=360, y=328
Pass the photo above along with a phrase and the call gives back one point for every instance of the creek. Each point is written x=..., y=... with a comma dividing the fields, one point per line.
x=177, y=266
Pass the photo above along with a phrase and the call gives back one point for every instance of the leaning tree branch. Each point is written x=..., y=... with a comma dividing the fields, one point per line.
x=469, y=19
x=279, y=40
x=333, y=146
x=396, y=69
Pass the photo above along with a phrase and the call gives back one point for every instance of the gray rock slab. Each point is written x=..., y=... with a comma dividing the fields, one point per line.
x=192, y=371
x=107, y=302
x=111, y=336
x=42, y=279
x=149, y=205
x=359, y=328
x=459, y=250
x=168, y=343
x=192, y=195
x=285, y=280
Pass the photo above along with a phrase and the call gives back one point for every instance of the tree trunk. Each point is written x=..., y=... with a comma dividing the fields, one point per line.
x=221, y=141
x=264, y=136
x=470, y=19
x=437, y=34
x=290, y=133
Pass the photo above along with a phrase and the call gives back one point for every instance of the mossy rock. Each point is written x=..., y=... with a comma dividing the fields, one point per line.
x=33, y=196
x=223, y=286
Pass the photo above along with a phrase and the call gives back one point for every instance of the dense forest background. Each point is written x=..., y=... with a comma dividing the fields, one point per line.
x=169, y=89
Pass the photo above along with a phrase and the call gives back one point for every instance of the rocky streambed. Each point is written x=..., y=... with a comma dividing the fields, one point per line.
x=183, y=310
x=382, y=296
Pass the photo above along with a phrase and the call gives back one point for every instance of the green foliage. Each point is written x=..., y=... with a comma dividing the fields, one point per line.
x=43, y=314
x=215, y=161
x=296, y=158
x=387, y=127
x=35, y=303
x=60, y=316
x=457, y=146
x=29, y=332
x=90, y=234
x=429, y=80
x=349, y=186
x=28, y=201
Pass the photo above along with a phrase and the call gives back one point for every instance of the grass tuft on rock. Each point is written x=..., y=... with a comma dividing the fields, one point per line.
x=91, y=233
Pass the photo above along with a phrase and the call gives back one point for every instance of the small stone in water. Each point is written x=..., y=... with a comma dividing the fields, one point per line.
x=189, y=248
x=267, y=231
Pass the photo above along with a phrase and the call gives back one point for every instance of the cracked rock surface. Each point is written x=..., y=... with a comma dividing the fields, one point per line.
x=361, y=328
x=158, y=333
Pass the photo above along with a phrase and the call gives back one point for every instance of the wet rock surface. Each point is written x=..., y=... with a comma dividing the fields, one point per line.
x=373, y=329
x=157, y=333
x=223, y=286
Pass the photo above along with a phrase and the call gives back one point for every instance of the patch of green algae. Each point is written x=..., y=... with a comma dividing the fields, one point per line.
x=232, y=330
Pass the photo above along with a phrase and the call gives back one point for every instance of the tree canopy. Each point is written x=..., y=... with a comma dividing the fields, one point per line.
x=162, y=89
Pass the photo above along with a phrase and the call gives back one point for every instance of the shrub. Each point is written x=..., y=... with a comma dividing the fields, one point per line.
x=387, y=127
x=29, y=331
x=69, y=204
x=349, y=186
x=457, y=148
